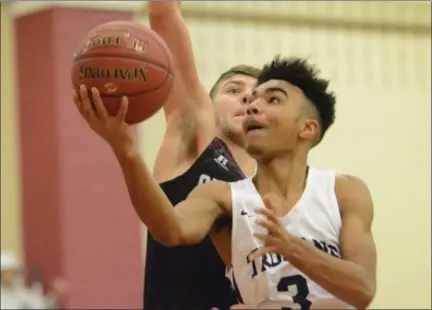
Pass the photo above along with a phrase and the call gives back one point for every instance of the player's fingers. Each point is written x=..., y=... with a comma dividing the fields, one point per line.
x=98, y=104
x=87, y=110
x=267, y=238
x=121, y=114
x=264, y=223
x=270, y=226
x=260, y=236
x=270, y=241
x=83, y=92
x=269, y=202
x=270, y=215
x=77, y=100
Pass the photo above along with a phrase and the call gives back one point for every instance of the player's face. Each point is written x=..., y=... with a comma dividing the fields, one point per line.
x=276, y=120
x=230, y=102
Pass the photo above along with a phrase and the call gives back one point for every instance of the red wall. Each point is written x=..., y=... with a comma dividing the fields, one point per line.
x=78, y=221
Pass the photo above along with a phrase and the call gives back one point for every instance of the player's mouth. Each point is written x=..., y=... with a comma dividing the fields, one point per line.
x=240, y=114
x=253, y=126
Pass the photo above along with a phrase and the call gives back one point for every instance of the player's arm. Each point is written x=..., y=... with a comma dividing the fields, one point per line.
x=189, y=99
x=186, y=224
x=198, y=213
x=352, y=278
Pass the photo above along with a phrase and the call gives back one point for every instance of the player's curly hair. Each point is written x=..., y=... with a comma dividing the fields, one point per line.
x=305, y=76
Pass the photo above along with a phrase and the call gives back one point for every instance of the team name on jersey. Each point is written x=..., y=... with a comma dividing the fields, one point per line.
x=272, y=260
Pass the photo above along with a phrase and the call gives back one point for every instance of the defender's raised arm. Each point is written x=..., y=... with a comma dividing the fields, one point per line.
x=189, y=99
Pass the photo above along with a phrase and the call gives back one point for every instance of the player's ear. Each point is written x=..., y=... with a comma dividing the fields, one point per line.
x=309, y=129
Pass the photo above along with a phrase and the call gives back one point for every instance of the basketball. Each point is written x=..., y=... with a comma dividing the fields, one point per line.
x=123, y=58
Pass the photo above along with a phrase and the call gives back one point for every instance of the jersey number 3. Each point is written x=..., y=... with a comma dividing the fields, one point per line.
x=287, y=283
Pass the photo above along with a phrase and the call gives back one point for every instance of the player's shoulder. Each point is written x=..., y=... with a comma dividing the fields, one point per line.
x=347, y=184
x=353, y=194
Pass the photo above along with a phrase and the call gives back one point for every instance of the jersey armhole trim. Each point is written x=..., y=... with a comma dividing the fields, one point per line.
x=337, y=211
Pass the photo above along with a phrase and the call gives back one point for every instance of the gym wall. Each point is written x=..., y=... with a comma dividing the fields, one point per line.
x=65, y=211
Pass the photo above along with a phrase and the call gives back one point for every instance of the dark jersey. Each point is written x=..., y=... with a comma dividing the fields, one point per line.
x=191, y=277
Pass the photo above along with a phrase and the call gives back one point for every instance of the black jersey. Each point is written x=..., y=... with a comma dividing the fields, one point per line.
x=191, y=277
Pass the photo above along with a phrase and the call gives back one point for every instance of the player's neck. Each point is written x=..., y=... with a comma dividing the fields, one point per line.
x=244, y=160
x=283, y=175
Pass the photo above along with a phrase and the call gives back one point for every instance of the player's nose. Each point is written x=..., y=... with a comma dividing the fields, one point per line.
x=252, y=108
x=246, y=95
x=245, y=98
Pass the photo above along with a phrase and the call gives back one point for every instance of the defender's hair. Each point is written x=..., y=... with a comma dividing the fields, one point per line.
x=300, y=73
x=237, y=70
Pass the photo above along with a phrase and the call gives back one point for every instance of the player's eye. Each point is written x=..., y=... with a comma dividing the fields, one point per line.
x=274, y=100
x=233, y=91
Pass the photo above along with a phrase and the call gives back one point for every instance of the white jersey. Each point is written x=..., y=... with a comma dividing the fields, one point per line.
x=269, y=282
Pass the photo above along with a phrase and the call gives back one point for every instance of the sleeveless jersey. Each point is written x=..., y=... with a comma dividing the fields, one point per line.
x=269, y=282
x=191, y=277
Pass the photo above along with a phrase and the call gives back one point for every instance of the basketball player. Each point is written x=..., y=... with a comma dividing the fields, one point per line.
x=301, y=237
x=203, y=141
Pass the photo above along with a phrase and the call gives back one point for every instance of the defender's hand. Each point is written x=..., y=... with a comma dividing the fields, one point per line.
x=277, y=240
x=112, y=129
x=161, y=7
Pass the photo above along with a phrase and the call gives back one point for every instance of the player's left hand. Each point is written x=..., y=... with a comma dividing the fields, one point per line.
x=277, y=240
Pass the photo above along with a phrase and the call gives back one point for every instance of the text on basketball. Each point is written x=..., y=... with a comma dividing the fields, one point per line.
x=123, y=39
x=133, y=74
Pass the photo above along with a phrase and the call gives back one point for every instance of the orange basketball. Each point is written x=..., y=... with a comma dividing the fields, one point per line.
x=123, y=58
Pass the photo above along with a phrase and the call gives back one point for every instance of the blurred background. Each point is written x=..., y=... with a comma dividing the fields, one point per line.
x=64, y=208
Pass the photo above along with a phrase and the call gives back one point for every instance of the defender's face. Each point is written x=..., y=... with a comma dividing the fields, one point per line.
x=275, y=120
x=230, y=102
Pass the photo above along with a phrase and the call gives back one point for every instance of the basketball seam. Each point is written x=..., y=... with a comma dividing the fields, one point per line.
x=164, y=51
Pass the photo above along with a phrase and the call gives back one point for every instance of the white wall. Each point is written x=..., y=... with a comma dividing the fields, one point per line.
x=382, y=132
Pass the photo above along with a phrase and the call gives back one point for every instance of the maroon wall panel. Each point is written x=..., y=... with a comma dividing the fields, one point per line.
x=78, y=220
